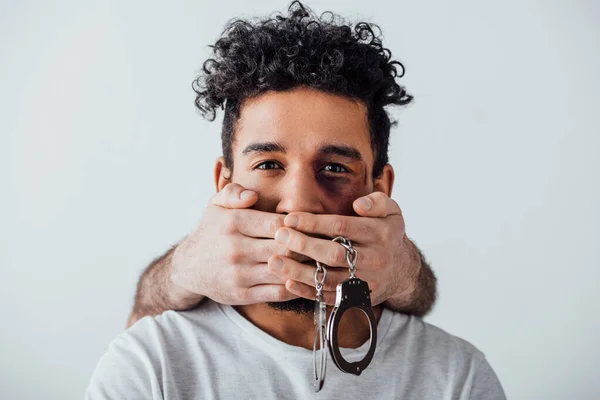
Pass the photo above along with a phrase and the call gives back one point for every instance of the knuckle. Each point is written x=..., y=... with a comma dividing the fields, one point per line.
x=228, y=220
x=276, y=249
x=231, y=189
x=310, y=224
x=238, y=278
x=386, y=231
x=289, y=253
x=234, y=256
x=294, y=274
x=366, y=230
x=242, y=295
x=271, y=265
x=280, y=250
x=298, y=289
x=378, y=197
x=277, y=294
x=272, y=269
x=341, y=227
x=285, y=270
x=274, y=225
x=238, y=219
x=337, y=257
x=301, y=243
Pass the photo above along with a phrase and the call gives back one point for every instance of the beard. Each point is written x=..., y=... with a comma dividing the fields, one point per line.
x=300, y=306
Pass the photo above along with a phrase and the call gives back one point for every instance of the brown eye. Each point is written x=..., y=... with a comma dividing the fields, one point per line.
x=335, y=168
x=267, y=165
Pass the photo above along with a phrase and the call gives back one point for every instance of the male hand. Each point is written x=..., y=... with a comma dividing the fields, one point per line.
x=378, y=234
x=225, y=258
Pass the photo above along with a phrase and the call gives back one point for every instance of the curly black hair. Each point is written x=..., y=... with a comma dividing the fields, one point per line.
x=301, y=49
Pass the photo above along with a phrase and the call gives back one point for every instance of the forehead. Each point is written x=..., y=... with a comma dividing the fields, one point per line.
x=303, y=119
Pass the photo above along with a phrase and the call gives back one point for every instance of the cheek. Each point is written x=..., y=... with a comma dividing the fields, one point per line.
x=267, y=199
x=341, y=193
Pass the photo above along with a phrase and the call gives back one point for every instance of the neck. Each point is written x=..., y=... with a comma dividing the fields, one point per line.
x=298, y=329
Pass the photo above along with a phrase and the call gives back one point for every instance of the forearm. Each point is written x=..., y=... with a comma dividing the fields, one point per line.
x=419, y=295
x=156, y=293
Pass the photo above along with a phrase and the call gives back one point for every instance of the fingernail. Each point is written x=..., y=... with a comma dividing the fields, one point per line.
x=277, y=263
x=291, y=221
x=282, y=235
x=245, y=194
x=365, y=203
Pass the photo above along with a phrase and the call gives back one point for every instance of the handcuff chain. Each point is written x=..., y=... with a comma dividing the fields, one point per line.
x=351, y=254
x=319, y=283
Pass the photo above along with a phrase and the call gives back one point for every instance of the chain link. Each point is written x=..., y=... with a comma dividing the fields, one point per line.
x=351, y=254
x=319, y=283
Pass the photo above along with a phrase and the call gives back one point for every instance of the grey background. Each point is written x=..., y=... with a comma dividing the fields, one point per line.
x=105, y=164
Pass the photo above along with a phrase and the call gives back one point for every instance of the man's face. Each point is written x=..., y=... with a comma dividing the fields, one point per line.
x=303, y=150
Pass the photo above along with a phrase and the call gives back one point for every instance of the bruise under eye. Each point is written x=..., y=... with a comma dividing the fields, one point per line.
x=342, y=190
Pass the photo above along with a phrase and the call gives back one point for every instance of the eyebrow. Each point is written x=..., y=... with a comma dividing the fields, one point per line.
x=342, y=150
x=336, y=149
x=263, y=147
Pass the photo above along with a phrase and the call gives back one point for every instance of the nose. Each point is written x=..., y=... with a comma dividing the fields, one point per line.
x=299, y=191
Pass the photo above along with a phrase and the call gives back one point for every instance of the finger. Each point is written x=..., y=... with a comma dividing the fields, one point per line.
x=288, y=269
x=325, y=251
x=234, y=195
x=376, y=204
x=264, y=294
x=357, y=229
x=263, y=249
x=299, y=289
x=257, y=224
x=258, y=274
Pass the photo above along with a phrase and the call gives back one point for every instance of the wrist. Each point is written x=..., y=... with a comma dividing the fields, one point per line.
x=410, y=264
x=177, y=297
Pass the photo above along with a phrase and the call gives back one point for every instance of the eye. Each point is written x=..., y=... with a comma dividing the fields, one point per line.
x=267, y=165
x=336, y=168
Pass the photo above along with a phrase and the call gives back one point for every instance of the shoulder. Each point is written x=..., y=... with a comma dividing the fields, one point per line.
x=126, y=370
x=441, y=340
x=133, y=364
x=172, y=326
x=443, y=357
x=425, y=337
x=427, y=346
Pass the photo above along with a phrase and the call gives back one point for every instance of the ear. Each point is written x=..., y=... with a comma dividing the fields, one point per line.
x=385, y=182
x=222, y=174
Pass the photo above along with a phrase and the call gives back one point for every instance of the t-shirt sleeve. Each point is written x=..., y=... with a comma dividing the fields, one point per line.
x=125, y=372
x=486, y=385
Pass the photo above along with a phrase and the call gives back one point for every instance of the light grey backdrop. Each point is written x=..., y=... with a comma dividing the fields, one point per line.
x=105, y=164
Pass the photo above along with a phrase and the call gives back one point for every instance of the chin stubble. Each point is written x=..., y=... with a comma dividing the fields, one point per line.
x=299, y=306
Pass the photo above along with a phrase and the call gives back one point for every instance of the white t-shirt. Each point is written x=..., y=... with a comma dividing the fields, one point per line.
x=212, y=352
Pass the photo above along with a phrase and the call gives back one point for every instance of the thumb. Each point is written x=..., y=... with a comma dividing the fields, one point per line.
x=234, y=195
x=376, y=205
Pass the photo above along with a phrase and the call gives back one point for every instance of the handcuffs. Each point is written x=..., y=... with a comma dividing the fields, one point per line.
x=351, y=293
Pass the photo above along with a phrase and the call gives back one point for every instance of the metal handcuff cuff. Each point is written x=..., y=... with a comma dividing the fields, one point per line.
x=351, y=293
